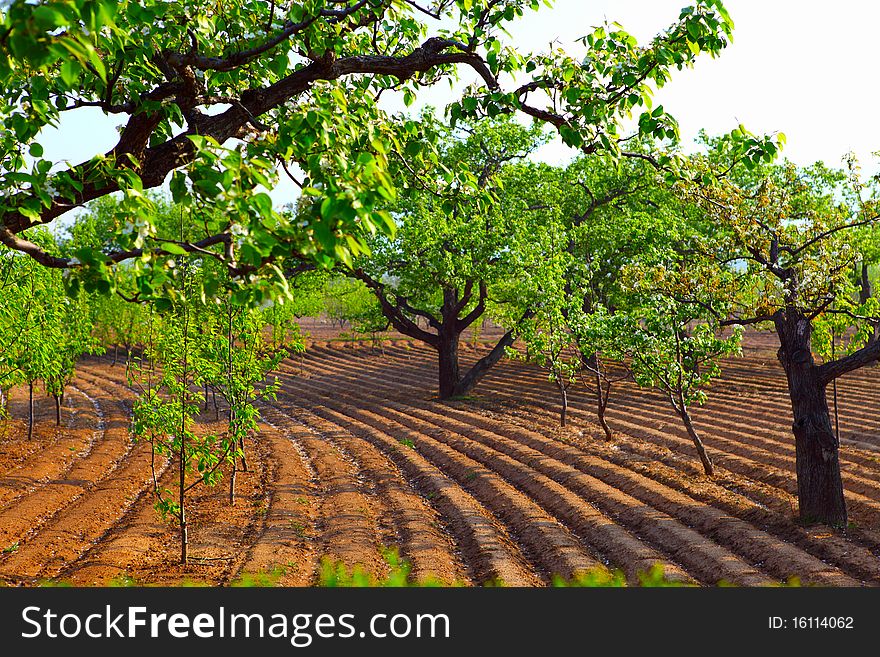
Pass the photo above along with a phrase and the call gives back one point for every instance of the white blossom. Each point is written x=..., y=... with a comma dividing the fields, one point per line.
x=391, y=281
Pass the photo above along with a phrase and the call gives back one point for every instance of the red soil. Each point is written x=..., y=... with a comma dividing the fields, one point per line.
x=357, y=455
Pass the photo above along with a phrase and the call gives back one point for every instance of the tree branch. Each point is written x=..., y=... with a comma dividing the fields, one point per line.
x=836, y=368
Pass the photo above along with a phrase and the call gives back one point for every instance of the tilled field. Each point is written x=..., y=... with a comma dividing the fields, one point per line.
x=358, y=456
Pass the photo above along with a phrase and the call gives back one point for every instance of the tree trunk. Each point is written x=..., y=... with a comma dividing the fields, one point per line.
x=708, y=468
x=232, y=482
x=184, y=539
x=30, y=409
x=472, y=377
x=603, y=422
x=820, y=488
x=865, y=291
x=602, y=394
x=563, y=411
x=244, y=463
x=57, y=410
x=447, y=352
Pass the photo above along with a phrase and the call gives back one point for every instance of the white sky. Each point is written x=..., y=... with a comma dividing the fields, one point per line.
x=805, y=68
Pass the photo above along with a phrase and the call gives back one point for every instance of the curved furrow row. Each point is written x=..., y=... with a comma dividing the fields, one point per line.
x=854, y=395
x=724, y=425
x=286, y=546
x=46, y=462
x=289, y=533
x=535, y=528
x=835, y=548
x=83, y=521
x=445, y=476
x=42, y=521
x=744, y=459
x=781, y=559
x=349, y=527
x=490, y=553
x=864, y=506
x=775, y=557
x=678, y=540
x=416, y=525
x=138, y=537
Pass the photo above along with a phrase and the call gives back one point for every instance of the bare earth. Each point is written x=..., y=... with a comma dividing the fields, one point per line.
x=357, y=455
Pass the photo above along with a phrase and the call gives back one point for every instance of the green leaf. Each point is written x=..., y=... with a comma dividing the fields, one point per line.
x=172, y=248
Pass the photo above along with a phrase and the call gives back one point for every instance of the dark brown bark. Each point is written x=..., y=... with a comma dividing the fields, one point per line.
x=482, y=366
x=685, y=415
x=448, y=329
x=447, y=361
x=563, y=395
x=820, y=488
x=156, y=162
x=181, y=474
x=57, y=410
x=603, y=392
x=865, y=289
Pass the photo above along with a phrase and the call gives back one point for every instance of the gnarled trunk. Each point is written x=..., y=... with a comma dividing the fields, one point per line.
x=820, y=488
x=447, y=354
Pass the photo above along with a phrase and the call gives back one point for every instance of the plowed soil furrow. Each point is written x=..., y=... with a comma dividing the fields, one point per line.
x=138, y=538
x=43, y=461
x=74, y=528
x=490, y=553
x=863, y=505
x=415, y=523
x=728, y=420
x=837, y=550
x=742, y=459
x=357, y=455
x=349, y=518
x=138, y=542
x=23, y=520
x=530, y=460
x=777, y=558
x=286, y=547
x=551, y=494
x=546, y=542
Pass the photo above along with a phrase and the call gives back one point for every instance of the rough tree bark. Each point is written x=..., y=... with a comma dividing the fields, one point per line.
x=444, y=331
x=865, y=289
x=820, y=488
